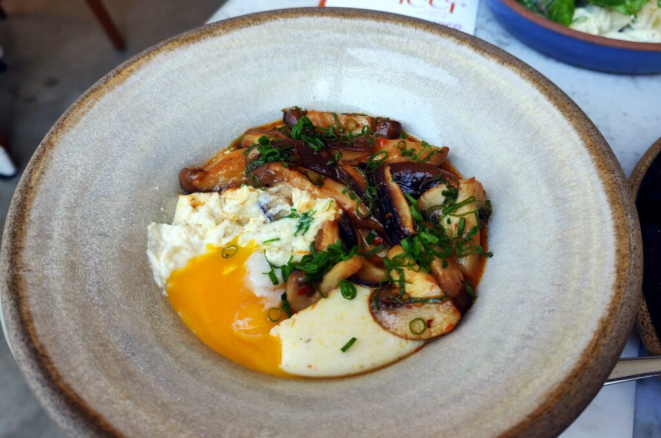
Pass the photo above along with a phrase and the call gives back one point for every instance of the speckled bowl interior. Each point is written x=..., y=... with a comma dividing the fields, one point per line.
x=105, y=352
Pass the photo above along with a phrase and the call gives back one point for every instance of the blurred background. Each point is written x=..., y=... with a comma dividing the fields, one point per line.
x=53, y=50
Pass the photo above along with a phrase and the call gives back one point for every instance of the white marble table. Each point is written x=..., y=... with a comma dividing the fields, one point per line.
x=627, y=111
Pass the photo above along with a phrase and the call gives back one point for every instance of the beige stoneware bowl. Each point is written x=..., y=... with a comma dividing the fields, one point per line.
x=106, y=354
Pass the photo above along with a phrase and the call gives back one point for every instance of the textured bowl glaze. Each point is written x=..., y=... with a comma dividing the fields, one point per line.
x=648, y=313
x=574, y=47
x=105, y=352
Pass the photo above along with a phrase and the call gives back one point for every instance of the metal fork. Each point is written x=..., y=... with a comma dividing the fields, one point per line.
x=635, y=368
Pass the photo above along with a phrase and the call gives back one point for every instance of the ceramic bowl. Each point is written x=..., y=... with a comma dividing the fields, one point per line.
x=574, y=47
x=107, y=355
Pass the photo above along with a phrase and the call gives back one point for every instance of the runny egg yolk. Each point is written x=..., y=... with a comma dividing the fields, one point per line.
x=211, y=297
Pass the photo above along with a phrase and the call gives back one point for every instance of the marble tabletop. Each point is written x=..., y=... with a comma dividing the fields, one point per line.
x=627, y=111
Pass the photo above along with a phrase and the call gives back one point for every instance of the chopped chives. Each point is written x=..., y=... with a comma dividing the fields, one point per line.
x=418, y=326
x=229, y=251
x=348, y=345
x=348, y=290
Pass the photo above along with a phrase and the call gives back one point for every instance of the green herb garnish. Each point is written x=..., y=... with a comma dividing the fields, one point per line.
x=348, y=290
x=418, y=326
x=274, y=314
x=268, y=153
x=348, y=345
x=470, y=290
x=284, y=305
x=374, y=160
x=305, y=220
x=229, y=251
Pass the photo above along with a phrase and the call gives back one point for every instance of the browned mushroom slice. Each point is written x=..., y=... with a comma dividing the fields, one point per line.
x=356, y=176
x=417, y=178
x=300, y=294
x=328, y=234
x=393, y=208
x=414, y=319
x=272, y=173
x=291, y=116
x=224, y=169
x=463, y=221
x=371, y=275
x=417, y=283
x=347, y=231
x=353, y=157
x=343, y=123
x=450, y=277
x=318, y=162
x=408, y=150
x=388, y=128
x=341, y=271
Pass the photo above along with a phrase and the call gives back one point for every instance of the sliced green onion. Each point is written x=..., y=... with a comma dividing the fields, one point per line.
x=270, y=240
x=370, y=237
x=470, y=290
x=374, y=251
x=348, y=345
x=348, y=290
x=359, y=204
x=229, y=251
x=418, y=326
x=313, y=179
x=374, y=160
x=284, y=305
x=273, y=277
x=316, y=287
x=462, y=225
x=274, y=315
x=429, y=237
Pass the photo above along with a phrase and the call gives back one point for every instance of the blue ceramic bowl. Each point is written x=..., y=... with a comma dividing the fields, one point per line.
x=574, y=47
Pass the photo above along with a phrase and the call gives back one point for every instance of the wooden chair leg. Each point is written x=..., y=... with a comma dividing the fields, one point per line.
x=106, y=22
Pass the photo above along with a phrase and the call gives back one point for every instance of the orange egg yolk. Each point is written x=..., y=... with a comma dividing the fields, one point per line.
x=211, y=297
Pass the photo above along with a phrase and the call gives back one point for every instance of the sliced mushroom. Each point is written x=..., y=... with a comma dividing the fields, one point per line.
x=452, y=281
x=417, y=283
x=328, y=234
x=371, y=275
x=417, y=178
x=432, y=203
x=347, y=231
x=448, y=275
x=393, y=208
x=275, y=206
x=355, y=176
x=408, y=150
x=411, y=319
x=273, y=173
x=339, y=272
x=318, y=162
x=387, y=128
x=224, y=169
x=290, y=116
x=313, y=160
x=353, y=157
x=344, y=123
x=300, y=294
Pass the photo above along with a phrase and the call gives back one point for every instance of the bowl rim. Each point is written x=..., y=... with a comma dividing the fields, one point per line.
x=558, y=408
x=583, y=36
